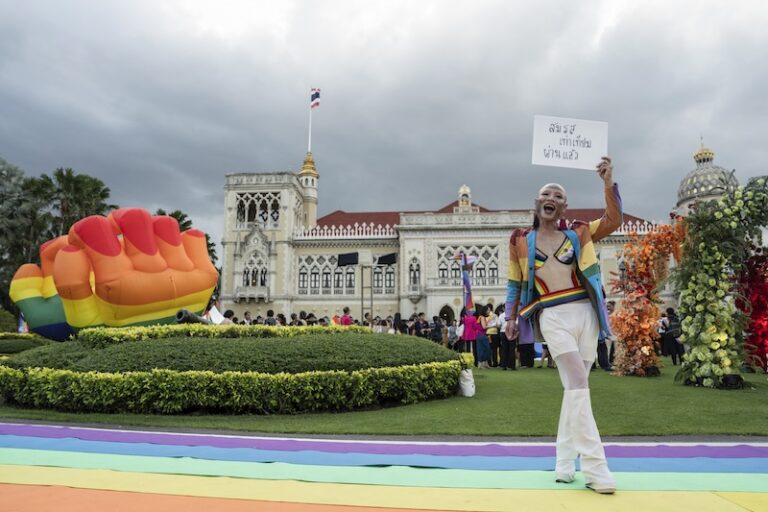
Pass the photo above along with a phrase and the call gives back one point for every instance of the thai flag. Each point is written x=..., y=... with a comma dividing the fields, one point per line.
x=314, y=98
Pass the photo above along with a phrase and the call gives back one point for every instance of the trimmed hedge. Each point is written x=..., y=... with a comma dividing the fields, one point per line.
x=197, y=374
x=172, y=392
x=19, y=344
x=309, y=352
x=20, y=336
x=102, y=336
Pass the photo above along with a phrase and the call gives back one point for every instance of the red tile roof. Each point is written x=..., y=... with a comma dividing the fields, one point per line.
x=342, y=218
x=450, y=206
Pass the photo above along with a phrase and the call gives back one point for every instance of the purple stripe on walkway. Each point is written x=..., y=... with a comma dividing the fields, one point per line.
x=373, y=447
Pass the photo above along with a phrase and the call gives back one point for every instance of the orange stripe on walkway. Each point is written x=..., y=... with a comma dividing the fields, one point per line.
x=43, y=498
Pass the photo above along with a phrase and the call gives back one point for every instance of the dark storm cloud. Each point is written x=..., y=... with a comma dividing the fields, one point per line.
x=160, y=99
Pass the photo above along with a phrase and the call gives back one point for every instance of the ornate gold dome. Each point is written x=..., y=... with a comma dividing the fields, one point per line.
x=707, y=180
x=704, y=155
x=308, y=167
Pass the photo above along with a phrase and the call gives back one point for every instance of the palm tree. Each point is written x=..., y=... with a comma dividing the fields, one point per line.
x=74, y=197
x=182, y=218
x=25, y=223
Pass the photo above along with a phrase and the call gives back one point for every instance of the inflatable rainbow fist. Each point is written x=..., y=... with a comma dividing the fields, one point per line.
x=130, y=268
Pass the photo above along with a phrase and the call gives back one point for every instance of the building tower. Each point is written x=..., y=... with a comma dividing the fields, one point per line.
x=705, y=183
x=464, y=203
x=308, y=178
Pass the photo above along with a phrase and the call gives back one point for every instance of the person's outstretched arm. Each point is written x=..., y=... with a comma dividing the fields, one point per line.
x=612, y=218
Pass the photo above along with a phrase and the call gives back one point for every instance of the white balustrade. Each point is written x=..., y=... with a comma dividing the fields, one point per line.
x=377, y=231
x=356, y=231
x=640, y=227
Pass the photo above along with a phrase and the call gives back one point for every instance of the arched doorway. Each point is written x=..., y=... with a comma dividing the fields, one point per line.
x=447, y=314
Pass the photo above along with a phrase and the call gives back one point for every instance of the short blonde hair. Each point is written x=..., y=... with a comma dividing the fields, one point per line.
x=554, y=185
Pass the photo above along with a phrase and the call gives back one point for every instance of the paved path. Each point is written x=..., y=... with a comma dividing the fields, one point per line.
x=62, y=468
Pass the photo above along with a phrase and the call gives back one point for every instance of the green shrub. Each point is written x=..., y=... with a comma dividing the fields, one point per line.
x=19, y=344
x=103, y=336
x=347, y=351
x=171, y=392
x=7, y=321
x=274, y=371
x=20, y=336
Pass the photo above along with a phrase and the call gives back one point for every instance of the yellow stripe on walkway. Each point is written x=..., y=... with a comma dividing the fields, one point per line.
x=426, y=498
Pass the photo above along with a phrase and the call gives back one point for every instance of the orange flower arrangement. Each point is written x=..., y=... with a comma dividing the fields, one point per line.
x=635, y=323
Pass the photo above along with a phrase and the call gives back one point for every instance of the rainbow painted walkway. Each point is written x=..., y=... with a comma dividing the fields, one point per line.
x=60, y=468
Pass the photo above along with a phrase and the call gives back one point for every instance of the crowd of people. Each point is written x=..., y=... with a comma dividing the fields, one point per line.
x=482, y=334
x=296, y=319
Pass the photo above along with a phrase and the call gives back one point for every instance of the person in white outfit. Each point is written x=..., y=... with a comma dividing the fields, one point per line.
x=554, y=293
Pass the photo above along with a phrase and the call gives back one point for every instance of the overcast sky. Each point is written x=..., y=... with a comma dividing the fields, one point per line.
x=159, y=99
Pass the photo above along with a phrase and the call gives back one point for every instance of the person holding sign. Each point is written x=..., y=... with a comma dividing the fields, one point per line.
x=555, y=294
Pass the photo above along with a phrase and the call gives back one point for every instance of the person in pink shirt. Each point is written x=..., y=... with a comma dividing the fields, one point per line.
x=469, y=336
x=345, y=318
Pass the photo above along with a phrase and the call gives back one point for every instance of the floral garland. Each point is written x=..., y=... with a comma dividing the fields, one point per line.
x=635, y=324
x=716, y=250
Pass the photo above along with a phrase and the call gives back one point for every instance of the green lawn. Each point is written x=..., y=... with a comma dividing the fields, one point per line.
x=521, y=403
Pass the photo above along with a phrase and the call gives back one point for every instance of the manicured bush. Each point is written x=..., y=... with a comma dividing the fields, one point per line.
x=20, y=336
x=171, y=392
x=103, y=336
x=7, y=321
x=347, y=351
x=276, y=370
x=20, y=343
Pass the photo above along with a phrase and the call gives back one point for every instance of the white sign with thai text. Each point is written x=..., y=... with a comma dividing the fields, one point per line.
x=565, y=142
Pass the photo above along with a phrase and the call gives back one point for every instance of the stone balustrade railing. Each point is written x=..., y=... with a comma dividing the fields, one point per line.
x=372, y=231
x=641, y=228
x=356, y=231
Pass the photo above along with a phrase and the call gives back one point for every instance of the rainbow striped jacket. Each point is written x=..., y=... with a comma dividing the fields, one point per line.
x=521, y=289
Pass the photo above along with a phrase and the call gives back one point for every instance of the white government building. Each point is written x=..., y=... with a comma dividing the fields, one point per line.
x=278, y=255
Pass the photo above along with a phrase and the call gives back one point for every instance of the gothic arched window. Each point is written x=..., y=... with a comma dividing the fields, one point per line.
x=326, y=278
x=314, y=279
x=263, y=211
x=255, y=271
x=414, y=272
x=338, y=279
x=389, y=279
x=258, y=207
x=493, y=272
x=303, y=280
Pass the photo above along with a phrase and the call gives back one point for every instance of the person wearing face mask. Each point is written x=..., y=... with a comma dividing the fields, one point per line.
x=554, y=288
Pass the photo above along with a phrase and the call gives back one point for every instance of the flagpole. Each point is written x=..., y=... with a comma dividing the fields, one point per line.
x=309, y=142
